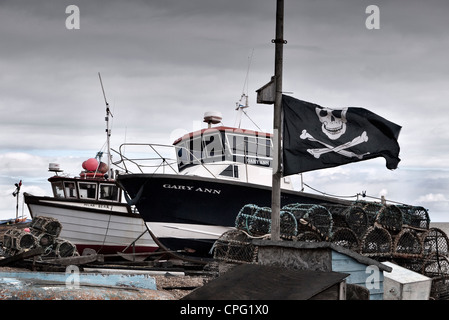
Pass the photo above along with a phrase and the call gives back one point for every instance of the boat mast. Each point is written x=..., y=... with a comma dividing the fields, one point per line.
x=108, y=130
x=277, y=122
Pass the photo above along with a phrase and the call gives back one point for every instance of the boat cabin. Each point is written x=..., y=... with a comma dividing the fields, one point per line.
x=221, y=144
x=85, y=189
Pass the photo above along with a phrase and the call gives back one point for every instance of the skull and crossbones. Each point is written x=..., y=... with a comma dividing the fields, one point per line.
x=334, y=126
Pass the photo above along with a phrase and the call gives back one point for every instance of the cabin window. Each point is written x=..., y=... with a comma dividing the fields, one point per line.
x=231, y=171
x=70, y=190
x=201, y=149
x=58, y=189
x=108, y=192
x=249, y=149
x=88, y=190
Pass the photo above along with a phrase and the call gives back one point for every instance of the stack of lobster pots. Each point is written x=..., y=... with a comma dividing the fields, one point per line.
x=384, y=232
x=43, y=232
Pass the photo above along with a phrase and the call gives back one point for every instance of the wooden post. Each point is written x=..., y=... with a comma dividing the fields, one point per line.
x=277, y=123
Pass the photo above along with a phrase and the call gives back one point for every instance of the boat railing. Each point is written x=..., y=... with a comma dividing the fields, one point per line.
x=152, y=158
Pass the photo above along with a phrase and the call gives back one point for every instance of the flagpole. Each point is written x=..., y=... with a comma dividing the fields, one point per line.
x=277, y=123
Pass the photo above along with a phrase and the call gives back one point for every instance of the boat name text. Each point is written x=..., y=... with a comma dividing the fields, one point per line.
x=191, y=188
x=100, y=206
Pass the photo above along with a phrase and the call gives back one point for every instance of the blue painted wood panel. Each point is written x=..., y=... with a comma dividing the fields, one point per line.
x=368, y=276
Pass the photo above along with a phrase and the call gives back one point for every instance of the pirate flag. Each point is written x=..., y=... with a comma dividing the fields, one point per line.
x=316, y=137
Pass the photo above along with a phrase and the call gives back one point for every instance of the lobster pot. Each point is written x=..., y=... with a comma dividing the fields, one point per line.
x=18, y=239
x=345, y=237
x=64, y=248
x=371, y=208
x=436, y=266
x=43, y=239
x=390, y=217
x=244, y=217
x=46, y=224
x=257, y=221
x=435, y=241
x=415, y=217
x=311, y=216
x=376, y=242
x=407, y=244
x=254, y=220
x=411, y=263
x=309, y=236
x=440, y=288
x=357, y=220
x=235, y=246
x=337, y=212
x=288, y=225
x=261, y=222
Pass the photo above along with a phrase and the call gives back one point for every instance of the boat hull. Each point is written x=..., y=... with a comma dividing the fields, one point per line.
x=104, y=227
x=190, y=213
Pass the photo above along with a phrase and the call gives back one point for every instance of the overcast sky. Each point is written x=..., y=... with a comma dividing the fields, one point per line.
x=165, y=63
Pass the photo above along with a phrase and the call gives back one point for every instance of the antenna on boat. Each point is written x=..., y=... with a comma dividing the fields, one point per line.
x=108, y=131
x=240, y=105
x=243, y=102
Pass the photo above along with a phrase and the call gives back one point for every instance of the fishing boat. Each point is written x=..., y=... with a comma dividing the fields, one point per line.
x=90, y=207
x=92, y=213
x=195, y=194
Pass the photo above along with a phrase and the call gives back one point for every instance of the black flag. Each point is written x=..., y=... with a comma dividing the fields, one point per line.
x=316, y=137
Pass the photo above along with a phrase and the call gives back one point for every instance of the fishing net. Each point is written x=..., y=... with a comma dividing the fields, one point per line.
x=376, y=242
x=407, y=244
x=235, y=246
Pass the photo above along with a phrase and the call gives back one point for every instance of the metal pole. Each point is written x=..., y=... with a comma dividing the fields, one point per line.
x=277, y=123
x=108, y=130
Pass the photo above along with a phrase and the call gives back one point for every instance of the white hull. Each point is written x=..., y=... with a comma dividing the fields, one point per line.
x=186, y=231
x=100, y=231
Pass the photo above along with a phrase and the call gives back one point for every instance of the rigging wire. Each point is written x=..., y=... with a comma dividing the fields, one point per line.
x=363, y=194
x=244, y=112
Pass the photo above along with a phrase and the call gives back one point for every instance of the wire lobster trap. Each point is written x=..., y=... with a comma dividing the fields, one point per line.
x=390, y=217
x=235, y=246
x=18, y=240
x=436, y=266
x=376, y=242
x=347, y=238
x=415, y=217
x=407, y=244
x=435, y=241
x=48, y=225
x=371, y=209
x=352, y=217
x=311, y=217
x=256, y=221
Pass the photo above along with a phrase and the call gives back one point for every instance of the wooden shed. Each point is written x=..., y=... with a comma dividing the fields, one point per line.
x=325, y=256
x=259, y=282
